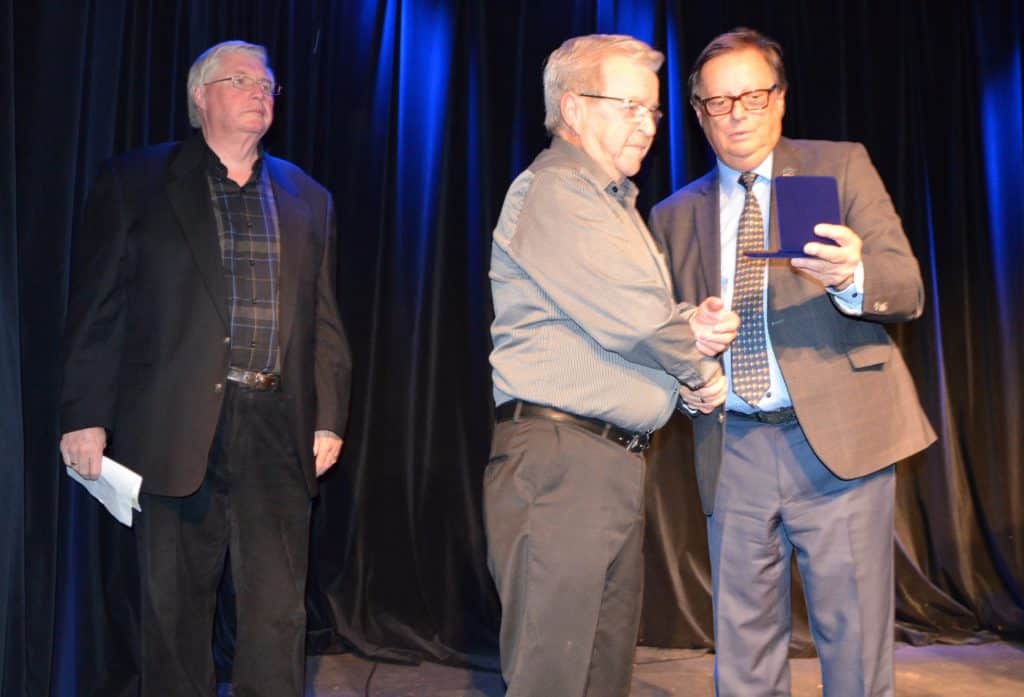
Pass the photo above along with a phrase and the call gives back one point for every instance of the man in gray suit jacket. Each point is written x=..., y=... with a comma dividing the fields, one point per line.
x=820, y=402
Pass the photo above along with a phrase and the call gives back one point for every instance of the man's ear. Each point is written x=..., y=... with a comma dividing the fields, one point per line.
x=571, y=110
x=199, y=97
x=699, y=112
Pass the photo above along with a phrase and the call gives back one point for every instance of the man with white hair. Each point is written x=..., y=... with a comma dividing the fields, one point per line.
x=590, y=354
x=203, y=348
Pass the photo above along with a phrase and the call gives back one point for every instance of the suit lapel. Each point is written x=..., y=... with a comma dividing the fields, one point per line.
x=786, y=287
x=293, y=233
x=785, y=163
x=709, y=236
x=189, y=195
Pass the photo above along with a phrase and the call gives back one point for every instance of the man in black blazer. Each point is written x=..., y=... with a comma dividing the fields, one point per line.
x=204, y=350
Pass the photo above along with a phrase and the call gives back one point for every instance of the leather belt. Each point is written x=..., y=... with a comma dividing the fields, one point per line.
x=633, y=441
x=254, y=380
x=786, y=415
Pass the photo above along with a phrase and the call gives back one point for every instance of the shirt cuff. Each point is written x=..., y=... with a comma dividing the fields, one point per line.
x=685, y=408
x=850, y=300
x=326, y=434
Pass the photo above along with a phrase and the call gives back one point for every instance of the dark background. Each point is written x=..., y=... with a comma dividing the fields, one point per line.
x=417, y=115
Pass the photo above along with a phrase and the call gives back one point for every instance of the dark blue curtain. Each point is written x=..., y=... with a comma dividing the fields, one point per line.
x=12, y=495
x=417, y=114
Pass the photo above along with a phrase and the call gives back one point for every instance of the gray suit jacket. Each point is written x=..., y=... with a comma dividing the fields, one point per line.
x=852, y=392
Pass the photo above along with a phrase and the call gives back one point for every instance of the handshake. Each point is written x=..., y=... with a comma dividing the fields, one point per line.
x=714, y=328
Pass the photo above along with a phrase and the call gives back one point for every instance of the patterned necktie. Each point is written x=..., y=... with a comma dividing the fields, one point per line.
x=749, y=358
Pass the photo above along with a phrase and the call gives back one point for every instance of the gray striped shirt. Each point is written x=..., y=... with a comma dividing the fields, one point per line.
x=584, y=318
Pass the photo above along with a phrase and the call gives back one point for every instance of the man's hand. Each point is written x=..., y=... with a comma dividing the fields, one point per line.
x=82, y=450
x=707, y=398
x=713, y=326
x=326, y=449
x=832, y=266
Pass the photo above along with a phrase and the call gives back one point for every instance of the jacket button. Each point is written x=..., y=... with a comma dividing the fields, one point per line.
x=227, y=340
x=721, y=417
x=218, y=388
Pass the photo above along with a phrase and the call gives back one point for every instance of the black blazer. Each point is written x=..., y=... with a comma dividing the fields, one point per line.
x=147, y=337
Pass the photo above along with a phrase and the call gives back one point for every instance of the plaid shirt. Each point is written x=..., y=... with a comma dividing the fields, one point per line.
x=248, y=228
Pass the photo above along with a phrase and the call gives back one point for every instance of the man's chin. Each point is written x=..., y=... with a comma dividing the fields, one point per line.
x=630, y=167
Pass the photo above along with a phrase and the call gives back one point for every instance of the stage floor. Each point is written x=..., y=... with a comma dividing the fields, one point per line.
x=992, y=670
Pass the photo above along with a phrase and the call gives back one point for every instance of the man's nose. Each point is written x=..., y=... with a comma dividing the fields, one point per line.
x=738, y=104
x=648, y=125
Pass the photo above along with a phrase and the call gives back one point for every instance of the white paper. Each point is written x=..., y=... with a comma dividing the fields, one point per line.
x=117, y=489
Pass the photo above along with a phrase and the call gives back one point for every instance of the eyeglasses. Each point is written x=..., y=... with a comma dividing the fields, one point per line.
x=752, y=100
x=635, y=111
x=246, y=83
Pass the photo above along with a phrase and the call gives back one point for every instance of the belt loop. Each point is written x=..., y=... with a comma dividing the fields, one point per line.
x=518, y=410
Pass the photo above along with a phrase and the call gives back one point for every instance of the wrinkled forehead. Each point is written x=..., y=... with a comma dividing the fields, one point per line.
x=244, y=62
x=622, y=76
x=736, y=71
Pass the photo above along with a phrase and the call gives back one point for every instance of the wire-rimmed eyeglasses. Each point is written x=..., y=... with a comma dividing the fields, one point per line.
x=752, y=100
x=634, y=110
x=246, y=83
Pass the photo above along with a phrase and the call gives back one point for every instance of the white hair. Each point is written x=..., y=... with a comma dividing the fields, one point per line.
x=208, y=62
x=575, y=66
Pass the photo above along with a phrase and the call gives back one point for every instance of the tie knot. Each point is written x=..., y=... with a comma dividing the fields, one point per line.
x=747, y=179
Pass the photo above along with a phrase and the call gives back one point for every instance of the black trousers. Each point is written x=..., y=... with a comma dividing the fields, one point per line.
x=254, y=502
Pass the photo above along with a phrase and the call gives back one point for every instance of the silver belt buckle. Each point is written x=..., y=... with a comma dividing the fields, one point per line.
x=639, y=442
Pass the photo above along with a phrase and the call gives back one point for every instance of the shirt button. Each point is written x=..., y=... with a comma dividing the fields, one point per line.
x=252, y=262
x=227, y=340
x=252, y=343
x=218, y=388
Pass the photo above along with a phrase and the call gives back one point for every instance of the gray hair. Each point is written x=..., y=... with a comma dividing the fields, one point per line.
x=740, y=39
x=208, y=62
x=575, y=66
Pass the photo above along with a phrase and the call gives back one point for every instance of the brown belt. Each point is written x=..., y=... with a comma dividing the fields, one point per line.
x=254, y=380
x=632, y=441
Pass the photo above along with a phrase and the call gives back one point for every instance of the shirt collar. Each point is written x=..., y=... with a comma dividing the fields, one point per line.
x=625, y=191
x=729, y=177
x=217, y=169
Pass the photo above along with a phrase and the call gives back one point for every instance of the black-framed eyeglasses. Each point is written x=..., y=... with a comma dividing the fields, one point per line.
x=246, y=83
x=635, y=111
x=752, y=100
